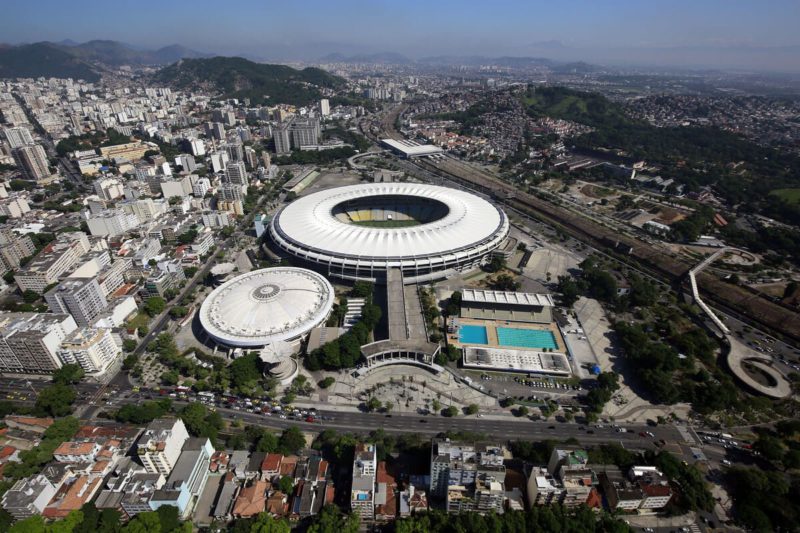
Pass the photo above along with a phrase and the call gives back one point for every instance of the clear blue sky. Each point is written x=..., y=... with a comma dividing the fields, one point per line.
x=303, y=28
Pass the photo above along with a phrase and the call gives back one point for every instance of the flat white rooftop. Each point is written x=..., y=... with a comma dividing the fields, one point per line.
x=506, y=297
x=510, y=360
x=412, y=149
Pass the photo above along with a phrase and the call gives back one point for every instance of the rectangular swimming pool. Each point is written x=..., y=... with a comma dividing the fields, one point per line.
x=526, y=338
x=472, y=334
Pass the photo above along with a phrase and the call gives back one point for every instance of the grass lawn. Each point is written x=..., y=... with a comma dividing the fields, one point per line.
x=141, y=319
x=386, y=223
x=791, y=196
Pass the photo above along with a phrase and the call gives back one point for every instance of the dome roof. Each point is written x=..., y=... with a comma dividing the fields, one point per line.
x=266, y=306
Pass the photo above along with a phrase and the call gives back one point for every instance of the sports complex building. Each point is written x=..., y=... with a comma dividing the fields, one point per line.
x=510, y=332
x=361, y=231
x=410, y=149
x=268, y=307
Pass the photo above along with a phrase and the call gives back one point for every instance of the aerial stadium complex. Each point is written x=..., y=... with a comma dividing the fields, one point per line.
x=272, y=306
x=362, y=231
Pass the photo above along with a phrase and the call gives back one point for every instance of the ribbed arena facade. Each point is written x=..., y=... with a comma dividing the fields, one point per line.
x=359, y=232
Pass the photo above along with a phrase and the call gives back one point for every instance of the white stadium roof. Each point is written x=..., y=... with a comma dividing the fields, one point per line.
x=266, y=306
x=470, y=221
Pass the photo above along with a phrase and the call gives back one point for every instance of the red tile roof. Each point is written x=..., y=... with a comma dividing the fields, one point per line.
x=252, y=500
x=272, y=462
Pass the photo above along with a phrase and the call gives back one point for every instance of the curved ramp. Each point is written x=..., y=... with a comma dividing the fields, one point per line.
x=739, y=354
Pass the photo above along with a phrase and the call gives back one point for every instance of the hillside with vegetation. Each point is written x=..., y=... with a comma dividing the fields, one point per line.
x=742, y=172
x=44, y=59
x=236, y=77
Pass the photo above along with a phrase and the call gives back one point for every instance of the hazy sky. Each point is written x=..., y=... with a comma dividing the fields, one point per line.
x=617, y=31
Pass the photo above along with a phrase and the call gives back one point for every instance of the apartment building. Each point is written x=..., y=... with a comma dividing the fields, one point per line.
x=111, y=222
x=32, y=159
x=160, y=445
x=132, y=151
x=29, y=342
x=14, y=207
x=52, y=262
x=80, y=297
x=187, y=479
x=94, y=349
x=14, y=248
x=362, y=491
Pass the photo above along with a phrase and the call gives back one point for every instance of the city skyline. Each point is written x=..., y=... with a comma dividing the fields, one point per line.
x=715, y=34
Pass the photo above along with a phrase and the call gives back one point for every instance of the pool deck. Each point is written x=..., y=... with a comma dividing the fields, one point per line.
x=491, y=332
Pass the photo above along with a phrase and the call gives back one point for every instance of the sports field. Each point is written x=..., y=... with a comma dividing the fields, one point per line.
x=791, y=196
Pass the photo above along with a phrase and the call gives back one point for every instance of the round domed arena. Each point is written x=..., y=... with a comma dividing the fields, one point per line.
x=362, y=231
x=262, y=307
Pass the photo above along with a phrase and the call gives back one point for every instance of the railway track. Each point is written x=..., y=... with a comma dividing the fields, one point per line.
x=646, y=257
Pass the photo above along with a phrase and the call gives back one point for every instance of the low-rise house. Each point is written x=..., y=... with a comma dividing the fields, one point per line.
x=277, y=504
x=72, y=496
x=252, y=499
x=271, y=466
x=29, y=496
x=412, y=501
x=76, y=452
x=129, y=488
x=385, y=494
x=28, y=423
x=223, y=508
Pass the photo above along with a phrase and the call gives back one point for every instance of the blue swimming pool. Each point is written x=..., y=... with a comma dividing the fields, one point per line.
x=526, y=338
x=471, y=334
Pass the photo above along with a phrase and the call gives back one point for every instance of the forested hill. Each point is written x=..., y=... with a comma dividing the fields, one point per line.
x=236, y=77
x=43, y=59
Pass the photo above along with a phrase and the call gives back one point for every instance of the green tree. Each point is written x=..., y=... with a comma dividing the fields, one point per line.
x=154, y=306
x=505, y=282
x=55, y=400
x=331, y=520
x=244, y=372
x=200, y=422
x=286, y=484
x=291, y=440
x=30, y=296
x=129, y=345
x=450, y=411
x=268, y=442
x=68, y=374
x=569, y=290
x=326, y=382
x=496, y=264
x=33, y=524
x=472, y=409
x=362, y=289
x=373, y=404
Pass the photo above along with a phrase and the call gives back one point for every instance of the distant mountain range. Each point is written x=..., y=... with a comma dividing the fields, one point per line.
x=387, y=58
x=86, y=61
x=390, y=58
x=236, y=77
